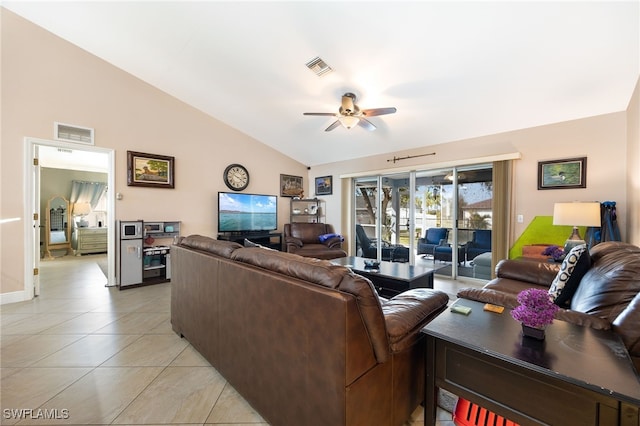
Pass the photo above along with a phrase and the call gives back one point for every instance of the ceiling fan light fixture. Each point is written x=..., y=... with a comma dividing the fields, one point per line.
x=349, y=121
x=349, y=114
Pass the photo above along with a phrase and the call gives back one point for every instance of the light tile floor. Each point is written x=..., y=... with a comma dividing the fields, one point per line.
x=86, y=354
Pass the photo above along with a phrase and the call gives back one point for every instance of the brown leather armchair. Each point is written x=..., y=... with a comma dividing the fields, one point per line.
x=304, y=239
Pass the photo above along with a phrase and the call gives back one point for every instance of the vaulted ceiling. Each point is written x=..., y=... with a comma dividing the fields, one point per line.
x=453, y=70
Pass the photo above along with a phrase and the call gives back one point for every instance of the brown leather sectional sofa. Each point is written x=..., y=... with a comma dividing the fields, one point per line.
x=305, y=342
x=607, y=297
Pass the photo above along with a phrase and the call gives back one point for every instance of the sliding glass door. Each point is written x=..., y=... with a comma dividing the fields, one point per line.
x=367, y=220
x=436, y=220
x=474, y=220
x=383, y=217
x=453, y=205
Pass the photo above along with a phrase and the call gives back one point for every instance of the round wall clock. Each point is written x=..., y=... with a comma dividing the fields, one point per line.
x=236, y=177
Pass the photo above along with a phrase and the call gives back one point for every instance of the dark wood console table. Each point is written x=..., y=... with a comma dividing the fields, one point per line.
x=576, y=376
x=268, y=239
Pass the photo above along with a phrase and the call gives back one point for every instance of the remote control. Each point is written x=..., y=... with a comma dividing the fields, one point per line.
x=494, y=308
x=464, y=310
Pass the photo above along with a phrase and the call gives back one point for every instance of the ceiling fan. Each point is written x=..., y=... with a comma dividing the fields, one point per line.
x=349, y=114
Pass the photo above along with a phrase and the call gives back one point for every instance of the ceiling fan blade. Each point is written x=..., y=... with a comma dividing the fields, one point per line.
x=333, y=126
x=363, y=122
x=378, y=111
x=320, y=113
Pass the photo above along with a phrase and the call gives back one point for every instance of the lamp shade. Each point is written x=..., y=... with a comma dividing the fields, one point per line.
x=81, y=209
x=576, y=214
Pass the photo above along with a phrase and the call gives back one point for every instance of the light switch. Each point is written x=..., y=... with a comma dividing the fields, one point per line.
x=520, y=218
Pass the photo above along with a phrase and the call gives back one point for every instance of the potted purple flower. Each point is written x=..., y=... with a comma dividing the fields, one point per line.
x=535, y=312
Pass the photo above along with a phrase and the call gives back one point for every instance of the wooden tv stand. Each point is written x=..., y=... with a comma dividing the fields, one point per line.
x=268, y=239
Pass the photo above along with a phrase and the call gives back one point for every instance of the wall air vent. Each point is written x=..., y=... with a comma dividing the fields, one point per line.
x=72, y=133
x=319, y=66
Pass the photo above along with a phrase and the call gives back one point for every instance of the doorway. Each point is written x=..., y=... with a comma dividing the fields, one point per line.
x=60, y=156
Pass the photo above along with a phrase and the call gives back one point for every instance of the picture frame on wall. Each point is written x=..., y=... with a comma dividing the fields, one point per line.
x=291, y=186
x=324, y=185
x=150, y=170
x=563, y=174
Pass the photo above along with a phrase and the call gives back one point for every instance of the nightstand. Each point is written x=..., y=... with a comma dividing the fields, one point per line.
x=89, y=240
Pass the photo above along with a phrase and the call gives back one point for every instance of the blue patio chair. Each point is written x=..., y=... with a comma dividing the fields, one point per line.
x=480, y=243
x=433, y=238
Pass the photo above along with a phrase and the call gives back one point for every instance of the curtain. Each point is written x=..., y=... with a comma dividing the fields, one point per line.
x=501, y=212
x=87, y=192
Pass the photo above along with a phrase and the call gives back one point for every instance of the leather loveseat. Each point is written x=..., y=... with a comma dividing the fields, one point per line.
x=607, y=296
x=305, y=239
x=304, y=341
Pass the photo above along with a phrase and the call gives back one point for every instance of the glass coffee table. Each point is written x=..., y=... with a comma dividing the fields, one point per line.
x=391, y=278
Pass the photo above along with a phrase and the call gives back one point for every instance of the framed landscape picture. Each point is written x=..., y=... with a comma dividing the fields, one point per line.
x=291, y=186
x=562, y=174
x=324, y=185
x=150, y=170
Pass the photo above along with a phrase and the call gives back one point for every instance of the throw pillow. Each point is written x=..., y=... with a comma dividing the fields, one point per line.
x=574, y=266
x=249, y=243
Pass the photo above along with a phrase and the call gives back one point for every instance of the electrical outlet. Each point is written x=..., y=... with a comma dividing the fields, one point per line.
x=520, y=218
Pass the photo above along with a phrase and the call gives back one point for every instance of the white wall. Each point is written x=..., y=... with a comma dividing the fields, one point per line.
x=45, y=79
x=633, y=166
x=602, y=139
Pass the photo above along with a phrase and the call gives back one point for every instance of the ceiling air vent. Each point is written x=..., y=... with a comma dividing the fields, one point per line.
x=72, y=133
x=319, y=66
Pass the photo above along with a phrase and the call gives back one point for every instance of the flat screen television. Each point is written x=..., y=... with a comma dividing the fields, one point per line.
x=240, y=212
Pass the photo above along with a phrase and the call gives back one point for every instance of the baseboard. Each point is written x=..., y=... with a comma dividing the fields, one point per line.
x=12, y=297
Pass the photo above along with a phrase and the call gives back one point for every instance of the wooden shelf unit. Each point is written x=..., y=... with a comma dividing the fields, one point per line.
x=305, y=210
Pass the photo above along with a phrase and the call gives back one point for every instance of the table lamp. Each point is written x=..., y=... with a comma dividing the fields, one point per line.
x=82, y=209
x=576, y=214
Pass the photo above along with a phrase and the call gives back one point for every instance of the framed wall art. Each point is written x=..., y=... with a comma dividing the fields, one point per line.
x=150, y=170
x=291, y=186
x=562, y=174
x=324, y=185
